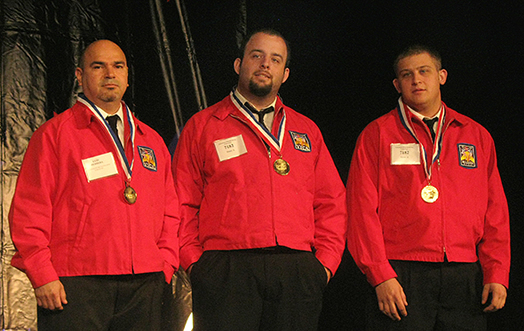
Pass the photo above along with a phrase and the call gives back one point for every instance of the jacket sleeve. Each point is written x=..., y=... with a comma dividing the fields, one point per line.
x=329, y=211
x=494, y=248
x=189, y=184
x=168, y=242
x=364, y=238
x=30, y=216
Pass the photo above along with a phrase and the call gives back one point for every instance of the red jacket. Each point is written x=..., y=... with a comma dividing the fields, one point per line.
x=388, y=220
x=63, y=225
x=242, y=203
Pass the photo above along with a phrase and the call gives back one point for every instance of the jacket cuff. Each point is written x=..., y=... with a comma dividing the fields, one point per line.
x=169, y=271
x=496, y=275
x=380, y=273
x=329, y=261
x=189, y=255
x=42, y=276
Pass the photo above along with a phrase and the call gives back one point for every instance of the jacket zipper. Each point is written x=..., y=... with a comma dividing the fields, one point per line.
x=440, y=177
x=268, y=148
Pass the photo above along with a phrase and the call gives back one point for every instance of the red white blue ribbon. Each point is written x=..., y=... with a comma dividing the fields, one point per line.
x=128, y=167
x=274, y=141
x=437, y=144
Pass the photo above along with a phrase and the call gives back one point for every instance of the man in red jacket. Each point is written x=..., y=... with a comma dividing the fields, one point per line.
x=262, y=204
x=95, y=214
x=428, y=218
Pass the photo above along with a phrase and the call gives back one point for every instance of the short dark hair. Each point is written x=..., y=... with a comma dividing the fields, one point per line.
x=269, y=31
x=416, y=50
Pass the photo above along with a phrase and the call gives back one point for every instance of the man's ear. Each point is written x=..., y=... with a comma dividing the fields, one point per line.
x=237, y=64
x=286, y=75
x=397, y=85
x=78, y=73
x=442, y=76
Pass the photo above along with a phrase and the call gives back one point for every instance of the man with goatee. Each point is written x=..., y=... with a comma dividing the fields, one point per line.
x=263, y=211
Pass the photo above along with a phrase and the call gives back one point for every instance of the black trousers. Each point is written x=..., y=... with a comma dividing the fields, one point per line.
x=257, y=289
x=108, y=303
x=441, y=296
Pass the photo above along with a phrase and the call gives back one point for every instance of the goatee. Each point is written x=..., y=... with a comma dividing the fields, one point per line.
x=108, y=96
x=260, y=91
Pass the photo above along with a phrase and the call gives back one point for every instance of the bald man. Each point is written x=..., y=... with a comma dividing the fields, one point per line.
x=94, y=216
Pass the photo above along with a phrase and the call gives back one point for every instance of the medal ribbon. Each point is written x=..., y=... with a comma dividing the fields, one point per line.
x=128, y=168
x=276, y=142
x=437, y=144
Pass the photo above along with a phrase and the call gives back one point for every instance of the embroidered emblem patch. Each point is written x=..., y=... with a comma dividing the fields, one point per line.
x=467, y=156
x=147, y=155
x=301, y=141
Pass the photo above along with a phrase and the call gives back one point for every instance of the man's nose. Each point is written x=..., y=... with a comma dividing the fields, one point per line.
x=416, y=78
x=110, y=71
x=265, y=61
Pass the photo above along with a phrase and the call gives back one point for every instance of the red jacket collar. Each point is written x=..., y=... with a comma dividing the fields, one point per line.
x=231, y=109
x=451, y=116
x=84, y=116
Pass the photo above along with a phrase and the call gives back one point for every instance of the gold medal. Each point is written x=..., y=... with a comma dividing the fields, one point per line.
x=130, y=195
x=429, y=193
x=281, y=167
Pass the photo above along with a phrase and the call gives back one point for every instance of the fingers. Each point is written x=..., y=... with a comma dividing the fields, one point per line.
x=51, y=296
x=392, y=300
x=328, y=273
x=485, y=295
x=50, y=302
x=63, y=297
x=498, y=297
x=391, y=311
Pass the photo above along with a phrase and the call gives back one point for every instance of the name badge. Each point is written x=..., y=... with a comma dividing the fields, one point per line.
x=100, y=166
x=230, y=147
x=405, y=154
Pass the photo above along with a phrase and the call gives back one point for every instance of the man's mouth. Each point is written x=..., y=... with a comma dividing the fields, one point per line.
x=111, y=85
x=263, y=74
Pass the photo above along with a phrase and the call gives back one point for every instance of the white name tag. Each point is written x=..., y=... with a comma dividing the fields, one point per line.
x=100, y=166
x=403, y=154
x=230, y=148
